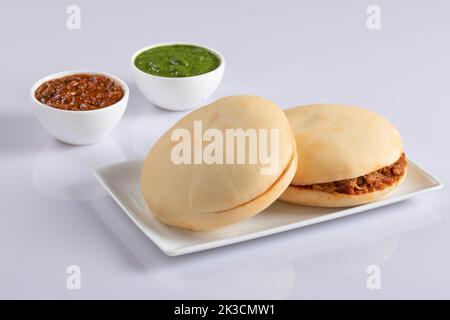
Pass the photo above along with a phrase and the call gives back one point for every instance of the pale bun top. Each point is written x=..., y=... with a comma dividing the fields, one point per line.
x=337, y=142
x=172, y=189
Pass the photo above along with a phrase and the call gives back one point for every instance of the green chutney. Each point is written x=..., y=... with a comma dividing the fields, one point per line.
x=177, y=61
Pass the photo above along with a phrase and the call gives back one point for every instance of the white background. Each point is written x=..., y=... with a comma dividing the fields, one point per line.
x=53, y=214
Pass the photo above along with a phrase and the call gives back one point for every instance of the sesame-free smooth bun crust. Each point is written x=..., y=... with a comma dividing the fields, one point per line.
x=337, y=142
x=214, y=220
x=199, y=196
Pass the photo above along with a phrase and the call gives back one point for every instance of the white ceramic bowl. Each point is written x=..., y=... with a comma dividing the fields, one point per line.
x=178, y=93
x=79, y=127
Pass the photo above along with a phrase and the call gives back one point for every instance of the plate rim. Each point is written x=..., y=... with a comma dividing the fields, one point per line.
x=436, y=185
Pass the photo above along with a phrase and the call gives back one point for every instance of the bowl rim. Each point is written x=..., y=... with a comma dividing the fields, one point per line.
x=171, y=43
x=61, y=74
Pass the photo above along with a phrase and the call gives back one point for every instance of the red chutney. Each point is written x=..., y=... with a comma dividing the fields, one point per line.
x=80, y=92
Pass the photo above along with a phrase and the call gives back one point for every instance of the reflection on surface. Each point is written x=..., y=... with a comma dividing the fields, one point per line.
x=270, y=281
x=351, y=259
x=151, y=123
x=216, y=274
x=65, y=172
x=264, y=268
x=20, y=134
x=371, y=242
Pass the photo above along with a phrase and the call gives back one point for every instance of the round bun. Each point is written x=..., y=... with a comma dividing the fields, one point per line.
x=337, y=142
x=309, y=197
x=208, y=196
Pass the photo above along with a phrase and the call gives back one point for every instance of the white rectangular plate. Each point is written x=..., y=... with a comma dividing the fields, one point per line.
x=122, y=181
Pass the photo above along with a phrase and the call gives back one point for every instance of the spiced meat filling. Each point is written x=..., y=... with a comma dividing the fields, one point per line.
x=80, y=92
x=374, y=181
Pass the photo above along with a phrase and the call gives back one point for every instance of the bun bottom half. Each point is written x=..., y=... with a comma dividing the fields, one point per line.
x=213, y=220
x=315, y=198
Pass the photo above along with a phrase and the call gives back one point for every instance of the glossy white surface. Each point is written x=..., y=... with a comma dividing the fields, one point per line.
x=53, y=213
x=123, y=182
x=79, y=128
x=177, y=94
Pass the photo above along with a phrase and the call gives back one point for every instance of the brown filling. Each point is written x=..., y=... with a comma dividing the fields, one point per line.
x=80, y=92
x=374, y=181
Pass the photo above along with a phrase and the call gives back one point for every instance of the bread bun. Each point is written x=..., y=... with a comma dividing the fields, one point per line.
x=339, y=142
x=208, y=196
